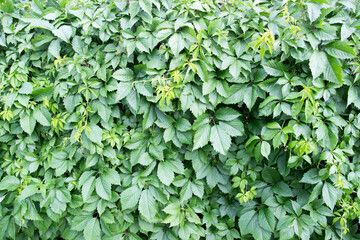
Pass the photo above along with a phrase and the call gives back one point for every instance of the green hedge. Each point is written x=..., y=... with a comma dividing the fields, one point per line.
x=161, y=119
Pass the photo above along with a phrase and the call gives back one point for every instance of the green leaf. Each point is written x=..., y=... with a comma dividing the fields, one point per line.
x=54, y=48
x=149, y=117
x=92, y=230
x=39, y=23
x=124, y=75
x=9, y=183
x=176, y=43
x=145, y=159
x=314, y=11
x=265, y=149
x=266, y=219
x=319, y=1
x=147, y=206
x=340, y=49
x=134, y=8
x=28, y=191
x=250, y=96
x=146, y=6
x=94, y=133
x=88, y=188
x=274, y=68
x=7, y=7
x=202, y=71
x=318, y=61
x=234, y=128
x=202, y=136
x=103, y=188
x=31, y=212
x=123, y=90
x=226, y=62
x=42, y=116
x=329, y=194
x=27, y=123
x=129, y=197
x=26, y=88
x=316, y=192
x=222, y=88
x=78, y=45
x=79, y=222
x=235, y=68
x=352, y=95
x=282, y=189
x=172, y=208
x=346, y=32
x=311, y=177
x=308, y=109
x=220, y=139
x=164, y=173
x=186, y=192
x=63, y=32
x=326, y=34
x=297, y=207
x=270, y=175
x=197, y=6
x=213, y=26
x=197, y=189
x=112, y=176
x=169, y=134
x=248, y=222
x=283, y=119
x=333, y=70
x=226, y=114
x=182, y=125
x=236, y=94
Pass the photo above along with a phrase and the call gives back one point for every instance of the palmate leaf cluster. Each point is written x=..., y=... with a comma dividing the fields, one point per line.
x=170, y=119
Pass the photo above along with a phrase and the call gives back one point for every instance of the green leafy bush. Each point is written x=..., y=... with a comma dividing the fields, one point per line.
x=184, y=119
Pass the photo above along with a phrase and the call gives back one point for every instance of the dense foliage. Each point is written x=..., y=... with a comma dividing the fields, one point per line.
x=176, y=119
